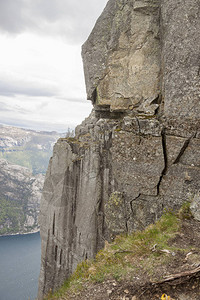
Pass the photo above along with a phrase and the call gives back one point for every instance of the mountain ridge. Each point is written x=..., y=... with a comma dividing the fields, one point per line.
x=24, y=157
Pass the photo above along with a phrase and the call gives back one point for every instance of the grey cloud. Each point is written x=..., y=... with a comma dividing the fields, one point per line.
x=43, y=105
x=13, y=88
x=37, y=125
x=73, y=100
x=72, y=19
x=14, y=16
x=16, y=109
x=14, y=119
x=5, y=108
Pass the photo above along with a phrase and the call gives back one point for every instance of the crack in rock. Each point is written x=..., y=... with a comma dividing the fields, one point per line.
x=164, y=171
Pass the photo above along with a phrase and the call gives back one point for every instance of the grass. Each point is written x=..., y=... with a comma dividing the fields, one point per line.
x=185, y=212
x=126, y=256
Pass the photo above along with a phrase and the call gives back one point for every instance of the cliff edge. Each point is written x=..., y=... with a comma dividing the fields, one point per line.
x=138, y=152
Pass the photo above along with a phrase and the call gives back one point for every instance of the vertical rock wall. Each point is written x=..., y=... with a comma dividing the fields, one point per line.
x=181, y=63
x=138, y=151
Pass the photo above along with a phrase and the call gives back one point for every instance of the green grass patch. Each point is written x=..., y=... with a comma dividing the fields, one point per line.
x=140, y=243
x=125, y=256
x=185, y=212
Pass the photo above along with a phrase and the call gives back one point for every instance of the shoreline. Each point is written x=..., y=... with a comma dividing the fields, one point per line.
x=20, y=233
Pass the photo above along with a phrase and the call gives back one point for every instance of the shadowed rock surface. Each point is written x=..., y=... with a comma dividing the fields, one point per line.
x=138, y=152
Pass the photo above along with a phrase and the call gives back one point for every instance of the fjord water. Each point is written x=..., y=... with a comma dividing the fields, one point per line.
x=19, y=266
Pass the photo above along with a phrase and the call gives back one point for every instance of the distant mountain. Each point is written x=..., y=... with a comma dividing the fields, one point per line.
x=24, y=157
x=20, y=194
x=27, y=148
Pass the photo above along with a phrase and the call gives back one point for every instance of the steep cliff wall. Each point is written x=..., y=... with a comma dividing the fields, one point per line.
x=138, y=151
x=20, y=194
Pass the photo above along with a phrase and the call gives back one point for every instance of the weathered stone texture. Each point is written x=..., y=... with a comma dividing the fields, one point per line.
x=122, y=55
x=70, y=206
x=109, y=180
x=181, y=62
x=195, y=206
x=138, y=152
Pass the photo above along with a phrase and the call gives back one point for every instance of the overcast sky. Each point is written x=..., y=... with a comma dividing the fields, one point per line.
x=41, y=74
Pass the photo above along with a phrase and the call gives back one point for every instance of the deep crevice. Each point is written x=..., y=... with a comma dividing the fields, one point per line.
x=157, y=100
x=61, y=252
x=132, y=202
x=164, y=171
x=56, y=253
x=185, y=145
x=94, y=96
x=53, y=227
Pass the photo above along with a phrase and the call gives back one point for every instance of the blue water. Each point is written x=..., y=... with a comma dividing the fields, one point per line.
x=19, y=266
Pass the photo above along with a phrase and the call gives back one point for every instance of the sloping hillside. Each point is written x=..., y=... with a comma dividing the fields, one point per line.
x=162, y=259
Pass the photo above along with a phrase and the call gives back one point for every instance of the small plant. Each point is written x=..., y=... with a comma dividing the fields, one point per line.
x=70, y=133
x=185, y=212
x=71, y=139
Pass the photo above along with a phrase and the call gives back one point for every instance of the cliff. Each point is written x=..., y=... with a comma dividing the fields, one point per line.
x=24, y=156
x=137, y=154
x=20, y=194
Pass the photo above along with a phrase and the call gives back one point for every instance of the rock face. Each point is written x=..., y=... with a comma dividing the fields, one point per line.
x=138, y=152
x=122, y=55
x=24, y=156
x=20, y=195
